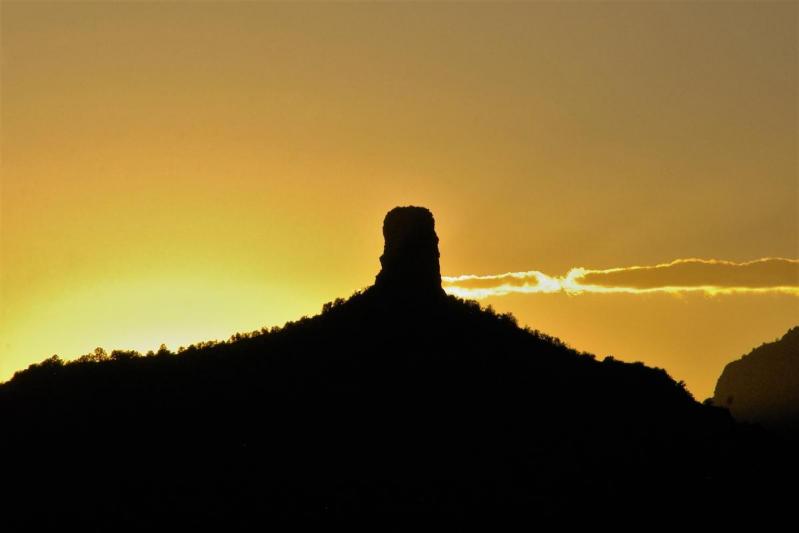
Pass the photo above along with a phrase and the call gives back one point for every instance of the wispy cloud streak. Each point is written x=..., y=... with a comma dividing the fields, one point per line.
x=709, y=276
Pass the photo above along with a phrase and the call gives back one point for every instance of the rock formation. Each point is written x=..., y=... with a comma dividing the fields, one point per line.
x=763, y=386
x=410, y=268
x=399, y=405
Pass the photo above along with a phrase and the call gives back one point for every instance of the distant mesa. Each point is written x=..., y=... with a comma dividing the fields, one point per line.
x=410, y=266
x=763, y=386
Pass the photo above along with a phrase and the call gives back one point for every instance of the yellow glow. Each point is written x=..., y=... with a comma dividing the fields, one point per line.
x=179, y=171
x=142, y=314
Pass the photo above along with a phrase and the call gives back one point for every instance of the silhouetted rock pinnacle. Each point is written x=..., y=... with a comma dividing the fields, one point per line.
x=409, y=262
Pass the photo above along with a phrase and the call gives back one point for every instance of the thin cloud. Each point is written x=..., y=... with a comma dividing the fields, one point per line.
x=709, y=276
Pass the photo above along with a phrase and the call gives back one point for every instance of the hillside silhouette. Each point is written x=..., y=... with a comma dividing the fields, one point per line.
x=763, y=385
x=398, y=403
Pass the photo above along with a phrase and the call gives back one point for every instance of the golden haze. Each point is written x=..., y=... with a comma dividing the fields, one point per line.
x=175, y=172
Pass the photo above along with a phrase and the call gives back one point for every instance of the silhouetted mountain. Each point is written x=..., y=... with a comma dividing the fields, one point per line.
x=398, y=402
x=763, y=385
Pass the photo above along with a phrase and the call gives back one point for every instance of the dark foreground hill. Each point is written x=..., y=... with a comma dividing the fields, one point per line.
x=763, y=385
x=399, y=403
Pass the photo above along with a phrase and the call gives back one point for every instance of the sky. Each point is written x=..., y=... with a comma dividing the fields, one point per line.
x=177, y=172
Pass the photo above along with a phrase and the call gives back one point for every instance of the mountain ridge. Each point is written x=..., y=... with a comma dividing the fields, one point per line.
x=400, y=401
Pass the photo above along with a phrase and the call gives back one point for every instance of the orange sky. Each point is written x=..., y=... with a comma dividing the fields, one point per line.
x=178, y=172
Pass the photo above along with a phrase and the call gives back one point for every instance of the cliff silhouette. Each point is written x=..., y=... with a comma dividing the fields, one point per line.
x=398, y=402
x=763, y=385
x=410, y=268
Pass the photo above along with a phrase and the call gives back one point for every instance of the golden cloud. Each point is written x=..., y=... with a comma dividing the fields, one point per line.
x=710, y=276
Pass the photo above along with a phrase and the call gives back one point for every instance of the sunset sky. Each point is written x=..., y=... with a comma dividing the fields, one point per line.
x=178, y=172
